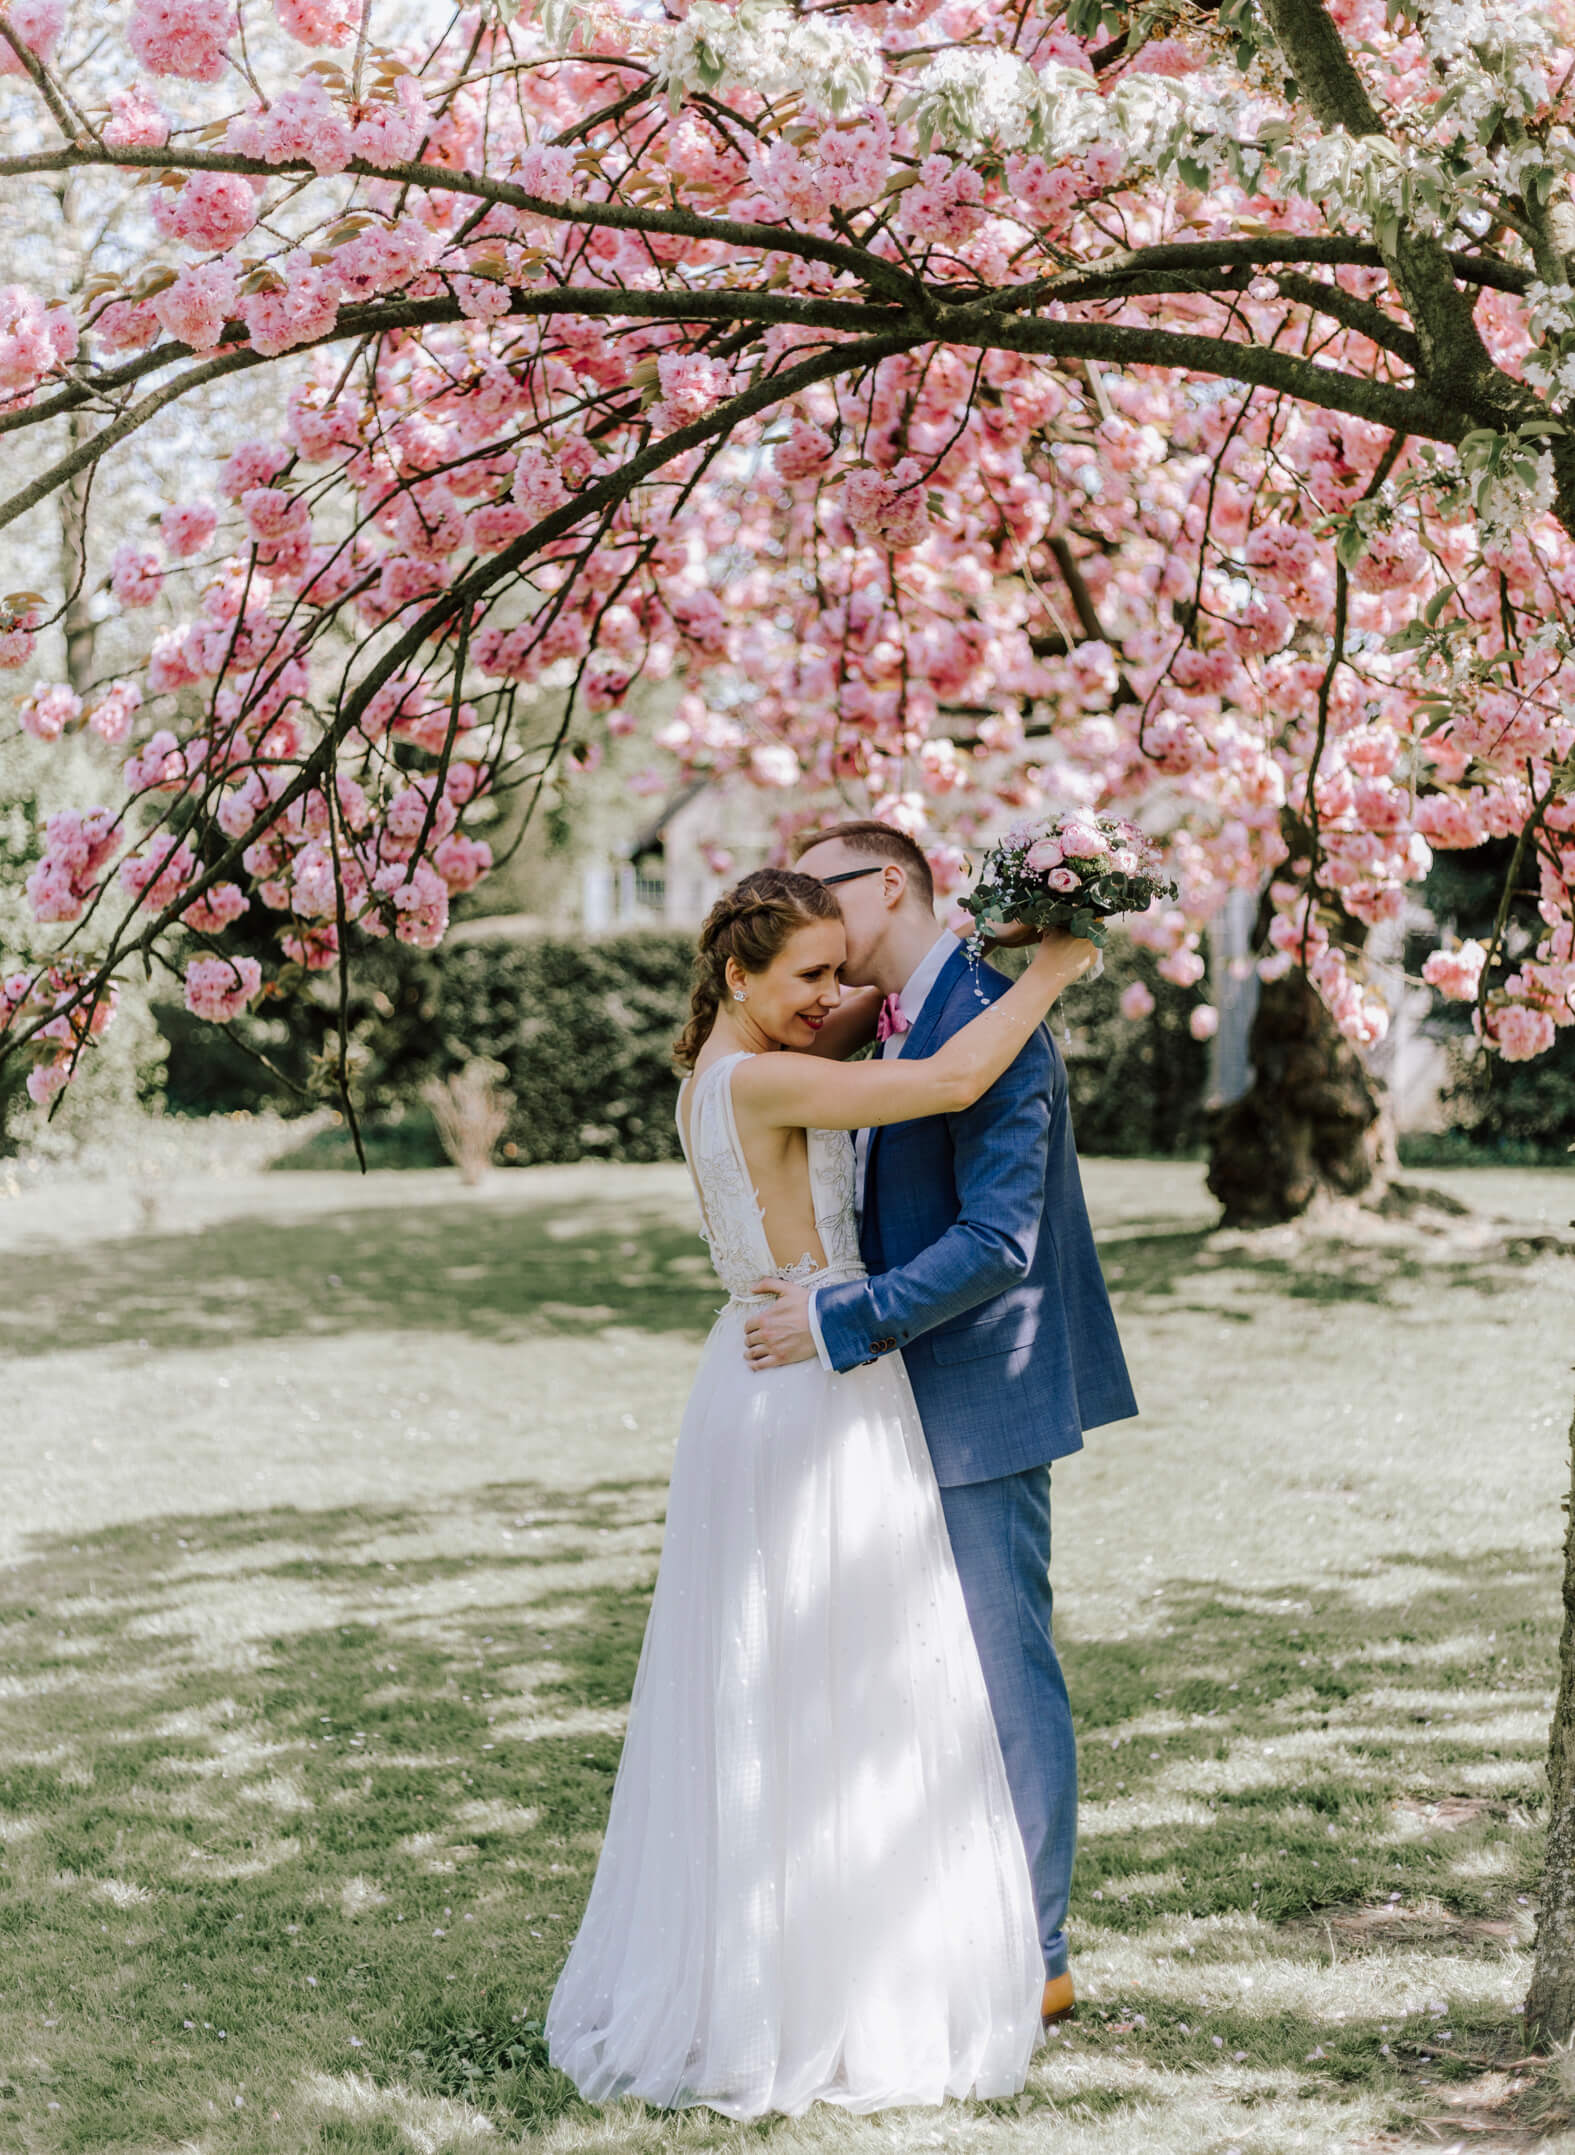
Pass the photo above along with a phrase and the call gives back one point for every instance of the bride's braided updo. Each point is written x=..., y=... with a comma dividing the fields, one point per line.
x=751, y=922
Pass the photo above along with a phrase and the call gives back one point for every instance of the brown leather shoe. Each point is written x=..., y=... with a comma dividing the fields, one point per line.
x=1059, y=2001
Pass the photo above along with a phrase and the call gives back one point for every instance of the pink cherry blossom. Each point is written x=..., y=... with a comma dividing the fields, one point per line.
x=195, y=308
x=807, y=451
x=1184, y=967
x=390, y=132
x=212, y=209
x=47, y=712
x=163, y=764
x=538, y=485
x=17, y=638
x=187, y=527
x=1520, y=1032
x=691, y=385
x=888, y=506
x=947, y=204
x=34, y=339
x=135, y=576
x=298, y=305
x=304, y=123
x=136, y=120
x=462, y=861
x=216, y=909
x=319, y=22
x=182, y=37
x=38, y=24
x=45, y=1080
x=419, y=899
x=1455, y=973
x=114, y=711
x=254, y=463
x=159, y=875
x=221, y=988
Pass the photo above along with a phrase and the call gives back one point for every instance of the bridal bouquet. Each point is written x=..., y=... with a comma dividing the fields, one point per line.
x=1074, y=872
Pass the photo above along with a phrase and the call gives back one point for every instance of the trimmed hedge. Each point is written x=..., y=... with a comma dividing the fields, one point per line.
x=584, y=1032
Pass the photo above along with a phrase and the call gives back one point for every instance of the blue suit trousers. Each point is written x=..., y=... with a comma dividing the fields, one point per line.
x=1000, y=1536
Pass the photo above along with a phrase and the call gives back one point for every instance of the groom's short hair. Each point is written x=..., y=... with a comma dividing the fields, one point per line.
x=878, y=841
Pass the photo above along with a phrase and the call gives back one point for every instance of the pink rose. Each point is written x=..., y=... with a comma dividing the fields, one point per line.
x=1136, y=1001
x=1079, y=842
x=1044, y=855
x=1204, y=1022
x=1063, y=879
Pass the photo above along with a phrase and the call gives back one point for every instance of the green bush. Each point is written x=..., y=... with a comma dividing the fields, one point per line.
x=1137, y=1086
x=584, y=1032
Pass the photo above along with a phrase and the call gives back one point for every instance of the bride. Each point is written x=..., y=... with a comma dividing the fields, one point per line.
x=812, y=1887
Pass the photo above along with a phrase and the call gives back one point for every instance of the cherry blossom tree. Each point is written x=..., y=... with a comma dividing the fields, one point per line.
x=971, y=403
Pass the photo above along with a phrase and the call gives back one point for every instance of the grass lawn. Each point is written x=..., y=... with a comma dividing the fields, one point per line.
x=330, y=1514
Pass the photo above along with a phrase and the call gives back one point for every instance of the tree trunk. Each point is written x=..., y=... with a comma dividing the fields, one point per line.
x=1311, y=1122
x=1550, y=2005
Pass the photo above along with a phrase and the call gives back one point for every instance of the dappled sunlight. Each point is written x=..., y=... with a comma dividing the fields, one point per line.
x=429, y=2125
x=300, y=1800
x=523, y=1266
x=424, y=1755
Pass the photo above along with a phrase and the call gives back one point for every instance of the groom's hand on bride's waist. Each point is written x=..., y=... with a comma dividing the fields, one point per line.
x=779, y=1334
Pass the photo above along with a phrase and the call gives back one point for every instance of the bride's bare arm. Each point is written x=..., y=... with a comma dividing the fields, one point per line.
x=789, y=1091
x=850, y=1026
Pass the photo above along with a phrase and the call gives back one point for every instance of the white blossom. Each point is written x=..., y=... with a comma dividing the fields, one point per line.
x=828, y=61
x=979, y=94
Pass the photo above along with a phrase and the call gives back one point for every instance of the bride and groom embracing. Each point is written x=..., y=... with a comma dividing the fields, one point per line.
x=840, y=1846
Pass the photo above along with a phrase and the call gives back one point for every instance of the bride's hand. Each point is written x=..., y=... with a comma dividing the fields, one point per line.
x=1075, y=952
x=1011, y=935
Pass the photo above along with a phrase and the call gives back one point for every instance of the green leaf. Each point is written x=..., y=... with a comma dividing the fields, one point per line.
x=1351, y=545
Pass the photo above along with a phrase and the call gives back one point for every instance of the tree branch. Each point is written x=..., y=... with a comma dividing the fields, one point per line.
x=870, y=269
x=1363, y=315
x=603, y=495
x=1116, y=276
x=1411, y=411
x=1453, y=356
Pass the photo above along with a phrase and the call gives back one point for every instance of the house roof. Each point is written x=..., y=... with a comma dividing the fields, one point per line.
x=648, y=839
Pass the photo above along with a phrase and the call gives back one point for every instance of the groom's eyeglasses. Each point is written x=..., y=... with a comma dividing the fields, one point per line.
x=851, y=875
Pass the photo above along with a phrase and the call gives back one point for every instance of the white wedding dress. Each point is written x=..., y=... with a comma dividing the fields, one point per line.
x=812, y=1887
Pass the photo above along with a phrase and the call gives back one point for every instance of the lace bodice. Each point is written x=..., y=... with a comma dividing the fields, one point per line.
x=729, y=1208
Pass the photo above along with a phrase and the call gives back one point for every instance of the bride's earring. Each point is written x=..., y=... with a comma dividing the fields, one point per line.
x=738, y=995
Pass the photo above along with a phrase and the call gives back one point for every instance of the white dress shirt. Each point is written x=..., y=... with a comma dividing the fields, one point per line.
x=912, y=999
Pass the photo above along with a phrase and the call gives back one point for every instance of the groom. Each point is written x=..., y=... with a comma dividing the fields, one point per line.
x=983, y=1274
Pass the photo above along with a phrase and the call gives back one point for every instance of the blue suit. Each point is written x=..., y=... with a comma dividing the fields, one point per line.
x=984, y=1275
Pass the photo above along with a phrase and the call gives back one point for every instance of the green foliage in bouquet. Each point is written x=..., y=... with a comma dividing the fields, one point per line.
x=1009, y=890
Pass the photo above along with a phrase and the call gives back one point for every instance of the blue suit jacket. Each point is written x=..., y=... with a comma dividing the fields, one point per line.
x=982, y=1264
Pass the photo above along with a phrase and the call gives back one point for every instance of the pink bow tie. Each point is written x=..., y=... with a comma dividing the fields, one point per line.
x=892, y=1022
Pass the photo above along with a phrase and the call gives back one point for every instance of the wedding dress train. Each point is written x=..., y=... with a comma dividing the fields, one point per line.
x=812, y=1887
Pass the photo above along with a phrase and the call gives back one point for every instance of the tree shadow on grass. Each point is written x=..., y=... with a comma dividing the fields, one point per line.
x=288, y=1795
x=504, y=1271
x=1142, y=1265
x=500, y=1272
